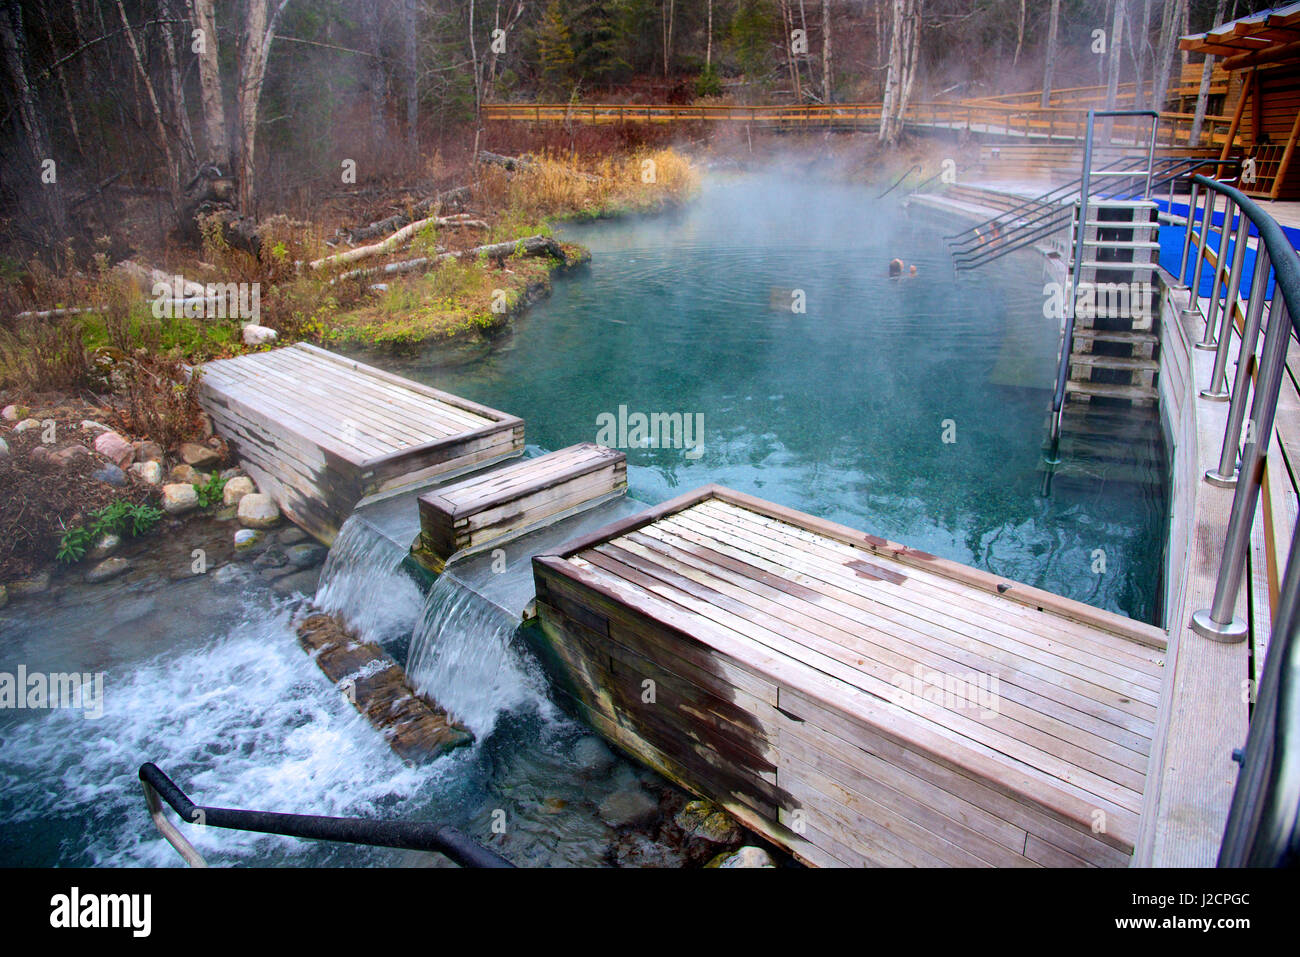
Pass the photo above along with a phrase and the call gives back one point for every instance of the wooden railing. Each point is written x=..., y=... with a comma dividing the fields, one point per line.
x=1030, y=122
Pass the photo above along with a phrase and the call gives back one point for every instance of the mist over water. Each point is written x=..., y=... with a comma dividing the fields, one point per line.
x=839, y=411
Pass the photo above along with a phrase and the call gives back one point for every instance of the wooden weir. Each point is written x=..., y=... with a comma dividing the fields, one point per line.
x=319, y=432
x=858, y=702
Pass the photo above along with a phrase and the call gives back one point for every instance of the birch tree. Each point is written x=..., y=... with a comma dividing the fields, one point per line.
x=826, y=51
x=904, y=50
x=1203, y=95
x=1049, y=66
x=254, y=50
x=204, y=44
x=1115, y=47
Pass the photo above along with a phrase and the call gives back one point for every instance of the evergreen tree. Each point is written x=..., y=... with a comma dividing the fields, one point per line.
x=555, y=47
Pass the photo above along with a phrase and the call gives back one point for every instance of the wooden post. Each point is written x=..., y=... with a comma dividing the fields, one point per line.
x=1286, y=159
x=1246, y=89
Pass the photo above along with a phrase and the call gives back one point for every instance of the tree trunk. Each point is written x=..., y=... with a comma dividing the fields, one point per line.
x=410, y=23
x=14, y=41
x=826, y=51
x=1115, y=48
x=1049, y=67
x=708, y=45
x=217, y=146
x=61, y=79
x=1020, y=35
x=904, y=50
x=1203, y=95
x=176, y=86
x=254, y=49
x=1170, y=27
x=164, y=140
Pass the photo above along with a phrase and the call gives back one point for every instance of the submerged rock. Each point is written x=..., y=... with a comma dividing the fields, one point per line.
x=248, y=540
x=306, y=555
x=292, y=535
x=104, y=547
x=107, y=569
x=231, y=574
x=629, y=807
x=4, y=596
x=4, y=449
x=25, y=587
x=593, y=756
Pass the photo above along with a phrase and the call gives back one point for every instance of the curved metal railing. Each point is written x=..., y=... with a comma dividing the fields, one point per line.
x=409, y=835
x=1262, y=822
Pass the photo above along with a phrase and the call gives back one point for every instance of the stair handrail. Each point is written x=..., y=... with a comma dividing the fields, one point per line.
x=1010, y=241
x=1262, y=827
x=407, y=835
x=1072, y=272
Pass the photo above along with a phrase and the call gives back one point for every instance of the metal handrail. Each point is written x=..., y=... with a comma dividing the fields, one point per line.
x=1085, y=195
x=408, y=835
x=1262, y=821
x=1052, y=213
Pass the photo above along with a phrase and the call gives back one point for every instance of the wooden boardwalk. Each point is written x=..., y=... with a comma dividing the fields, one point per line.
x=1015, y=122
x=320, y=432
x=857, y=701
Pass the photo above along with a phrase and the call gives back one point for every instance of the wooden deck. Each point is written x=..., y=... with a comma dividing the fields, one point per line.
x=491, y=508
x=320, y=432
x=857, y=701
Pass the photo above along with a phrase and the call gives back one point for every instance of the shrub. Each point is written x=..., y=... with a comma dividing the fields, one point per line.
x=121, y=518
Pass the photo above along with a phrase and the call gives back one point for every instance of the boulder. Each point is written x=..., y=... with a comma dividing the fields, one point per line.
x=12, y=413
x=149, y=472
x=42, y=455
x=187, y=475
x=147, y=451
x=292, y=535
x=629, y=807
x=228, y=474
x=25, y=587
x=255, y=335
x=306, y=555
x=108, y=569
x=708, y=821
x=114, y=448
x=236, y=488
x=104, y=547
x=179, y=498
x=199, y=456
x=90, y=425
x=258, y=511
x=249, y=539
x=4, y=449
x=110, y=475
x=744, y=857
x=26, y=424
x=70, y=456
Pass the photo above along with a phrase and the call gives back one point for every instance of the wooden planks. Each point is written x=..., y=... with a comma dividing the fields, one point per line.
x=888, y=707
x=511, y=500
x=319, y=432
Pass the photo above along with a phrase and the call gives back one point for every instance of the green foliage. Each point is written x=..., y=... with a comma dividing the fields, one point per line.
x=211, y=492
x=555, y=47
x=708, y=83
x=122, y=518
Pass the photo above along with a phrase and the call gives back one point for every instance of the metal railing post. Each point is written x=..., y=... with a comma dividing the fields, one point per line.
x=1218, y=621
x=1193, y=309
x=1187, y=238
x=1226, y=474
x=1208, y=340
x=1218, y=392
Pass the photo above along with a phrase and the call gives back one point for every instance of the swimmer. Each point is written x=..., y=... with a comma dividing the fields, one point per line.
x=895, y=269
x=911, y=272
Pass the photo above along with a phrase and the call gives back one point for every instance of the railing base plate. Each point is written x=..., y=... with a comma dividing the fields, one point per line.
x=1221, y=396
x=1208, y=346
x=1231, y=633
x=1221, y=481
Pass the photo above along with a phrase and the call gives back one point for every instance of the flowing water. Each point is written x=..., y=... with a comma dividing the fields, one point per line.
x=840, y=410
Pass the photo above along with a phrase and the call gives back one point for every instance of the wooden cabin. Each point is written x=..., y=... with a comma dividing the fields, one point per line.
x=1261, y=53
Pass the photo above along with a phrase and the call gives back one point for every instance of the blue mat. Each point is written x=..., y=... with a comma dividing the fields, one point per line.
x=1171, y=249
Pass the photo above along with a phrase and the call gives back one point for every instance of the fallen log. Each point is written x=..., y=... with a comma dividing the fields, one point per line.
x=512, y=164
x=399, y=238
x=529, y=246
x=437, y=203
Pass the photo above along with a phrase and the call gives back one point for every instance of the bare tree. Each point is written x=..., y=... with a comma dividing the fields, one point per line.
x=1203, y=95
x=254, y=50
x=1170, y=27
x=36, y=136
x=1115, y=47
x=1020, y=34
x=1049, y=67
x=175, y=84
x=160, y=127
x=904, y=51
x=826, y=51
x=217, y=145
x=708, y=45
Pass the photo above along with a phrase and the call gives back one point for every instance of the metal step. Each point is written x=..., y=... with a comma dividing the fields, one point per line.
x=1097, y=473
x=1083, y=448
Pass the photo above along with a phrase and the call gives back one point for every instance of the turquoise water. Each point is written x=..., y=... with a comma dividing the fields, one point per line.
x=912, y=409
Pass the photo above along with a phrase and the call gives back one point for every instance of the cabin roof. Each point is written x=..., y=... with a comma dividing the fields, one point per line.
x=1268, y=36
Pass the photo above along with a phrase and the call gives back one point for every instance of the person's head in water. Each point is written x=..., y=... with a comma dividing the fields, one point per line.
x=911, y=271
x=895, y=268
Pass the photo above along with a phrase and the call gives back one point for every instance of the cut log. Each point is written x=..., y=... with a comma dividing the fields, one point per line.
x=399, y=238
x=529, y=246
x=439, y=202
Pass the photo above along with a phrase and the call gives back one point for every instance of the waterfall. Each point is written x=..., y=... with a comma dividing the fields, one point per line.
x=463, y=658
x=363, y=583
